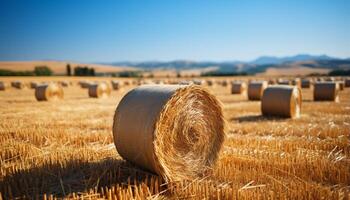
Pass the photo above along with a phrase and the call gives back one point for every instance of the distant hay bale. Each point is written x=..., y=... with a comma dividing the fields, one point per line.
x=126, y=82
x=64, y=83
x=84, y=84
x=296, y=82
x=224, y=83
x=48, y=92
x=272, y=82
x=326, y=91
x=238, y=88
x=171, y=130
x=256, y=89
x=3, y=85
x=210, y=82
x=281, y=101
x=306, y=83
x=198, y=82
x=115, y=85
x=33, y=84
x=284, y=82
x=341, y=85
x=347, y=83
x=17, y=84
x=99, y=90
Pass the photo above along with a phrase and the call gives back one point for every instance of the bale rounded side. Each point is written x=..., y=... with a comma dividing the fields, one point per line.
x=256, y=89
x=281, y=101
x=48, y=92
x=326, y=91
x=175, y=131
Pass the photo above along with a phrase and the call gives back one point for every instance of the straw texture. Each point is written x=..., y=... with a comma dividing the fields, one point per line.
x=256, y=89
x=172, y=130
x=48, y=92
x=238, y=88
x=99, y=90
x=326, y=91
x=281, y=101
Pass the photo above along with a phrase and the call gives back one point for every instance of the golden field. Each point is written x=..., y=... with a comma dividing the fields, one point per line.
x=65, y=149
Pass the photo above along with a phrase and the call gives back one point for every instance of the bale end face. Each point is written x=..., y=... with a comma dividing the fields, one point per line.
x=281, y=101
x=172, y=130
x=48, y=92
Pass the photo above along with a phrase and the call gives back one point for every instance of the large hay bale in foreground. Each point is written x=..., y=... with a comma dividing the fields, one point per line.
x=326, y=91
x=282, y=101
x=48, y=92
x=99, y=90
x=238, y=88
x=17, y=84
x=172, y=130
x=256, y=89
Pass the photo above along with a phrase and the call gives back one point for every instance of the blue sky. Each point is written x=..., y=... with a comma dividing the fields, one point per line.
x=131, y=30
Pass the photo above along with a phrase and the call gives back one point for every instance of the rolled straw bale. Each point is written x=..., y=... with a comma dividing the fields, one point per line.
x=306, y=83
x=272, y=82
x=282, y=101
x=99, y=90
x=126, y=82
x=33, y=84
x=48, y=92
x=347, y=83
x=224, y=83
x=329, y=79
x=64, y=83
x=3, y=85
x=326, y=91
x=256, y=89
x=84, y=84
x=198, y=82
x=284, y=82
x=296, y=82
x=210, y=82
x=341, y=85
x=17, y=84
x=175, y=131
x=238, y=88
x=115, y=85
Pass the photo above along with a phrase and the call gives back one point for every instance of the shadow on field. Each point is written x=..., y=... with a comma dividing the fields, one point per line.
x=256, y=118
x=61, y=179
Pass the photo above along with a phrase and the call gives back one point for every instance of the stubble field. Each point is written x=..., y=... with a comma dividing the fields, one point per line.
x=65, y=149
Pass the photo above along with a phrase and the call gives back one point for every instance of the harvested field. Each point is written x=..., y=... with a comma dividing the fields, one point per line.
x=65, y=149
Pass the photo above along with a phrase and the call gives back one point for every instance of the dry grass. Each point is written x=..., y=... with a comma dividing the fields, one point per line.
x=65, y=149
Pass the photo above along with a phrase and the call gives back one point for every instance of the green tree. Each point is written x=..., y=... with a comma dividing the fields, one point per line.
x=42, y=71
x=69, y=70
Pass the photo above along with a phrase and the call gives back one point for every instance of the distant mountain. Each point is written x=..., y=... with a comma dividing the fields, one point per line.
x=258, y=65
x=278, y=60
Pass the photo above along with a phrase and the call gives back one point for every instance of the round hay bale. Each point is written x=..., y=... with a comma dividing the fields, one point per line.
x=347, y=83
x=326, y=91
x=48, y=92
x=238, y=88
x=306, y=83
x=99, y=90
x=210, y=82
x=33, y=84
x=115, y=85
x=64, y=83
x=256, y=89
x=17, y=84
x=84, y=84
x=284, y=82
x=224, y=83
x=3, y=85
x=281, y=101
x=296, y=82
x=341, y=85
x=272, y=82
x=172, y=130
